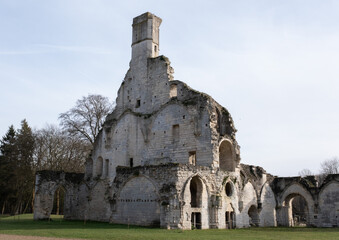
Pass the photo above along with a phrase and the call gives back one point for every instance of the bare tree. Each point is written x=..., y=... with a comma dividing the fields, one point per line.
x=87, y=117
x=305, y=172
x=56, y=150
x=330, y=166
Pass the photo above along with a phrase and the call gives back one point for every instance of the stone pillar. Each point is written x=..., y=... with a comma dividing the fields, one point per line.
x=283, y=216
x=43, y=201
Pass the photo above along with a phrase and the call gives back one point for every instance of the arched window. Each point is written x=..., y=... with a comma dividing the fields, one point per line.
x=196, y=192
x=226, y=159
x=229, y=189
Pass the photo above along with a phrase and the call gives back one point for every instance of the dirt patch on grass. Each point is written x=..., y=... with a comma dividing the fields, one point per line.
x=18, y=237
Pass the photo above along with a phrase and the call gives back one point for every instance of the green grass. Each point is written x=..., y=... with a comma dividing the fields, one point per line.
x=24, y=225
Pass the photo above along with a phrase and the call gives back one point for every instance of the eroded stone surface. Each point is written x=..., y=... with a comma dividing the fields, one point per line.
x=168, y=156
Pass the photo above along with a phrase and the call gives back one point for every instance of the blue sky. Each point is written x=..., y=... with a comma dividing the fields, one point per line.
x=272, y=64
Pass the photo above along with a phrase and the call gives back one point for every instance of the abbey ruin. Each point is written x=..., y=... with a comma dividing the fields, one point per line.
x=168, y=156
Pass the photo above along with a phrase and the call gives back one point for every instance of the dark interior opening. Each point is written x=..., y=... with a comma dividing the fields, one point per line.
x=138, y=103
x=196, y=220
x=228, y=189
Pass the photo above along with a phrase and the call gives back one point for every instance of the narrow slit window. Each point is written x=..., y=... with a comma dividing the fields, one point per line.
x=131, y=162
x=106, y=167
x=175, y=132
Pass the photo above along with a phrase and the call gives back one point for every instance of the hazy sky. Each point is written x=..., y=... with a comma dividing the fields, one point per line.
x=273, y=64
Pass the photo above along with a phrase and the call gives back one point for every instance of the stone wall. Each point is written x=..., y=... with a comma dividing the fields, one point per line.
x=322, y=201
x=329, y=202
x=47, y=183
x=162, y=196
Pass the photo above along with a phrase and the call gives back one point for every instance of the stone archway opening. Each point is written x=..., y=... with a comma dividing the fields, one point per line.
x=196, y=193
x=253, y=215
x=226, y=159
x=59, y=200
x=296, y=210
x=299, y=211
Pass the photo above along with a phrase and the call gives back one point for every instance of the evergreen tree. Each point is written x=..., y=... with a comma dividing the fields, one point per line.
x=8, y=156
x=24, y=172
x=16, y=169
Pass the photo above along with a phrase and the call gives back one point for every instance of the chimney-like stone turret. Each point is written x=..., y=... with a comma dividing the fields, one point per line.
x=145, y=39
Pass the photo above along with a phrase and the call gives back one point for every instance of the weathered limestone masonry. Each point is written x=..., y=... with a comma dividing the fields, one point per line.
x=47, y=183
x=167, y=156
x=322, y=201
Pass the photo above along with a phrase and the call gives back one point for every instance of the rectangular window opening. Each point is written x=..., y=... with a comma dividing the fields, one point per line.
x=175, y=132
x=196, y=220
x=173, y=91
x=131, y=162
x=192, y=159
x=138, y=103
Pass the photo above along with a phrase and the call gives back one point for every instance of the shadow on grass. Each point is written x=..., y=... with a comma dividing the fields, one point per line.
x=26, y=222
x=22, y=223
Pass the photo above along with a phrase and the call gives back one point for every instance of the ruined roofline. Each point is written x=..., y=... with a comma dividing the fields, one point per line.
x=202, y=94
x=255, y=172
x=205, y=95
x=191, y=100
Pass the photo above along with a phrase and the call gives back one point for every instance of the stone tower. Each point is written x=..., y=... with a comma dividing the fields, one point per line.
x=145, y=39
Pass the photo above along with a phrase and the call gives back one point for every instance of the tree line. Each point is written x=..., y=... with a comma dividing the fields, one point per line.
x=65, y=147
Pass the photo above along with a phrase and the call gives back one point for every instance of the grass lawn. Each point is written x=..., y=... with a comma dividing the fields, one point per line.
x=24, y=225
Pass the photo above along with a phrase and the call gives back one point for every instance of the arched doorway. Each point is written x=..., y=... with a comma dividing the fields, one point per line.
x=297, y=210
x=253, y=215
x=58, y=202
x=226, y=159
x=196, y=210
x=196, y=189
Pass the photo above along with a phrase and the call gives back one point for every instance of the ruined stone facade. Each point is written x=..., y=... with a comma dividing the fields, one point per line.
x=167, y=156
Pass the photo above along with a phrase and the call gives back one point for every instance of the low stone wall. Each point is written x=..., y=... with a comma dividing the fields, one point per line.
x=171, y=195
x=47, y=183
